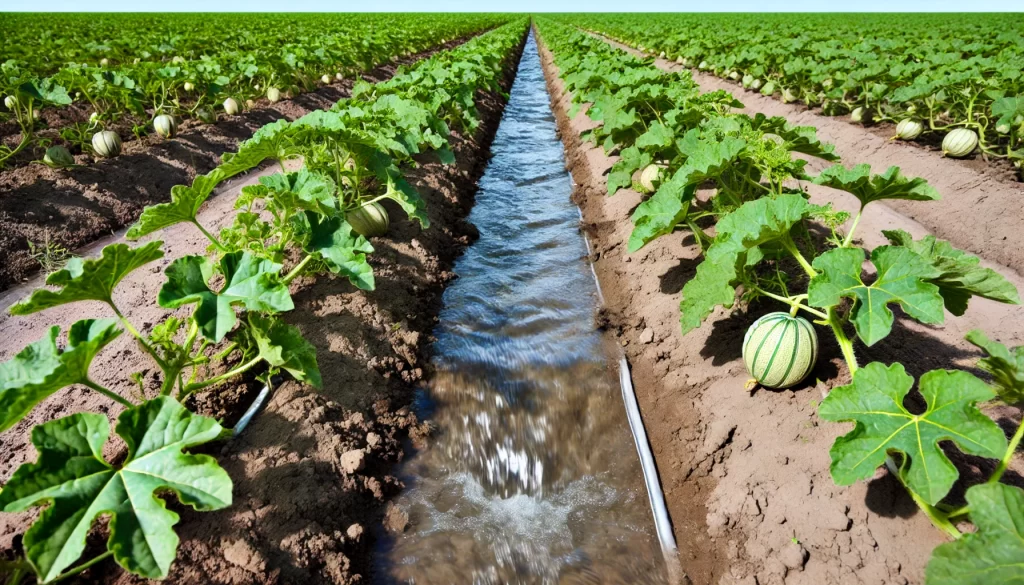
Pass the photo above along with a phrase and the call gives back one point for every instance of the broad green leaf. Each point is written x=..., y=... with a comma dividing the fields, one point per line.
x=398, y=189
x=283, y=346
x=90, y=280
x=249, y=281
x=184, y=206
x=960, y=276
x=867, y=187
x=739, y=233
x=630, y=160
x=874, y=401
x=78, y=485
x=343, y=250
x=657, y=137
x=304, y=190
x=994, y=555
x=1005, y=109
x=804, y=139
x=660, y=214
x=708, y=158
x=41, y=369
x=46, y=91
x=1005, y=365
x=903, y=277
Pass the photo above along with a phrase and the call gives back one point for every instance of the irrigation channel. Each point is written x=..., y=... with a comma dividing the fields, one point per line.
x=532, y=477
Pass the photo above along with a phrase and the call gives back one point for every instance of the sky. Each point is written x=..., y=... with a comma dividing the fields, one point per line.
x=516, y=5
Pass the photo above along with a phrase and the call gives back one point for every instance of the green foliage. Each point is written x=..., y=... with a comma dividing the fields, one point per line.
x=41, y=369
x=991, y=556
x=1005, y=365
x=248, y=281
x=960, y=276
x=90, y=280
x=902, y=277
x=79, y=485
x=875, y=402
x=283, y=347
x=867, y=187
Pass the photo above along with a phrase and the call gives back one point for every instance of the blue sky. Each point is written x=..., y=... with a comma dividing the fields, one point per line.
x=517, y=5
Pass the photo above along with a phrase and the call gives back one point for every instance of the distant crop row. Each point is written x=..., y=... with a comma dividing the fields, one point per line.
x=938, y=73
x=135, y=67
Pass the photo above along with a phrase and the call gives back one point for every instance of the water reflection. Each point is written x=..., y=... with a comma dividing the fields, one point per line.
x=533, y=477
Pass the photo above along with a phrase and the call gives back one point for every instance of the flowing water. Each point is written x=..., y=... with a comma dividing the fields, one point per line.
x=532, y=477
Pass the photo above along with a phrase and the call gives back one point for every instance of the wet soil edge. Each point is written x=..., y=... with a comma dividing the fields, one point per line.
x=745, y=476
x=314, y=471
x=74, y=207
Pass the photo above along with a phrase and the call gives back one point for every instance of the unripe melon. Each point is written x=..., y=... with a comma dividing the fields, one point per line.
x=369, y=220
x=959, y=143
x=909, y=129
x=779, y=350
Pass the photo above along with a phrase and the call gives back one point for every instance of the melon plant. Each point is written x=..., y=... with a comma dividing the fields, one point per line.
x=779, y=350
x=273, y=95
x=959, y=143
x=231, y=106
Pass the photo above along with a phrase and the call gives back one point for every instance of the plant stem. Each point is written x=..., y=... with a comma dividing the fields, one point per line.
x=796, y=304
x=297, y=269
x=845, y=344
x=138, y=336
x=1010, y=450
x=82, y=567
x=209, y=236
x=190, y=388
x=108, y=393
x=790, y=247
x=853, y=228
x=939, y=519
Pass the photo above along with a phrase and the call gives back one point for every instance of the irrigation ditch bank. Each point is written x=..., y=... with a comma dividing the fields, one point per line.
x=971, y=189
x=77, y=206
x=746, y=475
x=314, y=471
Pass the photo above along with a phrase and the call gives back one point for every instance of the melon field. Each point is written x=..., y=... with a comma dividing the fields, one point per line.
x=495, y=298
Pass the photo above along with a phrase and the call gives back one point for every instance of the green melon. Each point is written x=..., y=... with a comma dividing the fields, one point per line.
x=369, y=220
x=959, y=143
x=779, y=350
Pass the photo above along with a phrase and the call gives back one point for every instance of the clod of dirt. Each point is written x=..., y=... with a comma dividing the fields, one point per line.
x=647, y=335
x=354, y=532
x=396, y=520
x=794, y=556
x=353, y=461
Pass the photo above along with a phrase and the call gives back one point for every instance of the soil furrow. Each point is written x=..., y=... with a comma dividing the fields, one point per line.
x=970, y=189
x=313, y=472
x=74, y=207
x=746, y=475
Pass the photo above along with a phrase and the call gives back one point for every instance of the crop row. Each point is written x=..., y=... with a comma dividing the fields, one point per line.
x=310, y=219
x=123, y=71
x=761, y=238
x=957, y=77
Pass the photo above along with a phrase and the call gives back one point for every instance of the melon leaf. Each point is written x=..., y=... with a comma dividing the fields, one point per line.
x=41, y=369
x=90, y=280
x=79, y=485
x=867, y=187
x=874, y=401
x=343, y=250
x=960, y=275
x=903, y=277
x=249, y=281
x=282, y=346
x=1005, y=365
x=994, y=554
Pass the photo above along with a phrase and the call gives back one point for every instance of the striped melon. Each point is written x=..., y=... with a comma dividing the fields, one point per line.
x=779, y=350
x=649, y=178
x=908, y=129
x=369, y=220
x=959, y=143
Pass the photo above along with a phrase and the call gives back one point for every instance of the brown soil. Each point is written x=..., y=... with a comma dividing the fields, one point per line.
x=312, y=472
x=972, y=190
x=77, y=206
x=746, y=473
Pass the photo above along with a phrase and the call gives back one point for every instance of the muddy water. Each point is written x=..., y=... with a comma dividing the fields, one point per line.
x=532, y=476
